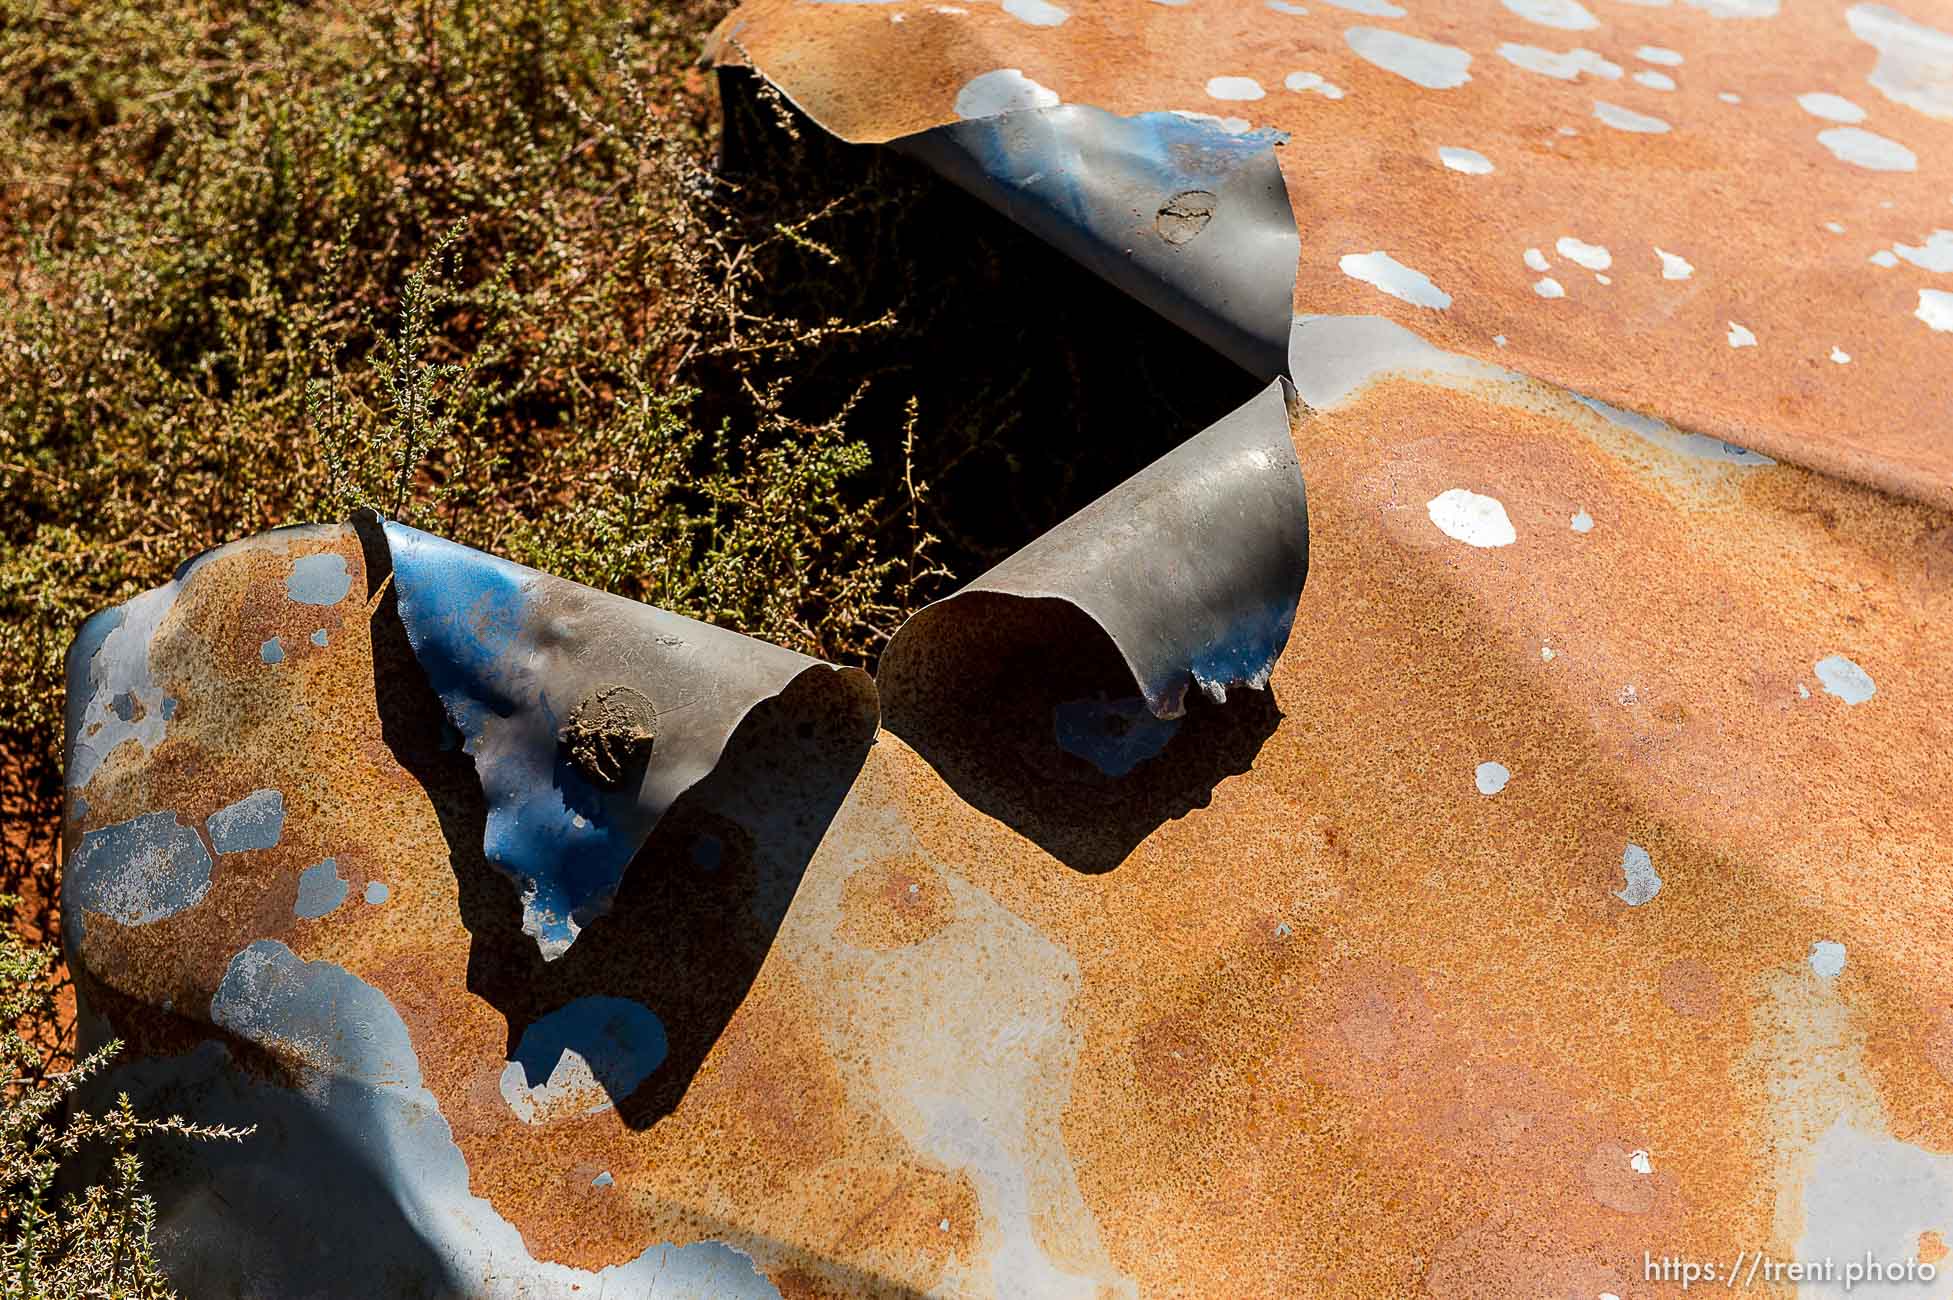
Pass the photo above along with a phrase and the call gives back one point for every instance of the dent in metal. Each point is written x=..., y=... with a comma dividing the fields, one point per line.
x=514, y=653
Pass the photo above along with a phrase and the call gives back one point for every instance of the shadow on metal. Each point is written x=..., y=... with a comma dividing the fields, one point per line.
x=699, y=904
x=1105, y=677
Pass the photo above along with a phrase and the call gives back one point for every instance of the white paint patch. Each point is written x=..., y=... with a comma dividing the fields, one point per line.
x=1655, y=80
x=1499, y=339
x=1592, y=256
x=1547, y=287
x=1566, y=15
x=1429, y=64
x=1666, y=435
x=1603, y=279
x=1469, y=161
x=1564, y=67
x=1841, y=677
x=1832, y=108
x=1674, y=266
x=1827, y=959
x=1546, y=653
x=1536, y=260
x=1656, y=54
x=1840, y=356
x=1003, y=91
x=1284, y=7
x=1038, y=13
x=1884, y=257
x=1729, y=97
x=1862, y=148
x=1394, y=278
x=1740, y=336
x=1370, y=8
x=1803, y=691
x=1475, y=520
x=1935, y=308
x=1915, y=62
x=1834, y=227
x=1640, y=1163
x=1231, y=125
x=1582, y=522
x=1936, y=254
x=1234, y=88
x=1638, y=870
x=1490, y=778
x=1305, y=81
x=1626, y=119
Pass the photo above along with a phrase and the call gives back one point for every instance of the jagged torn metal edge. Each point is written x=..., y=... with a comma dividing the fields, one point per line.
x=1188, y=218
x=511, y=651
x=1192, y=567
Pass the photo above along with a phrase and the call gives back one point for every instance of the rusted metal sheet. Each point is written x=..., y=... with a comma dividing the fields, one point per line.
x=1568, y=916
x=1728, y=215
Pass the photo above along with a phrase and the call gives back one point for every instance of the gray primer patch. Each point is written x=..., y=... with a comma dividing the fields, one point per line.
x=361, y=1092
x=1642, y=882
x=1862, y=148
x=1427, y=63
x=1385, y=272
x=1626, y=119
x=1004, y=90
x=257, y=821
x=319, y=579
x=272, y=651
x=1469, y=161
x=137, y=871
x=1564, y=67
x=320, y=890
x=1915, y=62
x=1827, y=959
x=1582, y=522
x=376, y=892
x=1370, y=8
x=1491, y=777
x=1830, y=107
x=1566, y=15
x=1666, y=435
x=1845, y=679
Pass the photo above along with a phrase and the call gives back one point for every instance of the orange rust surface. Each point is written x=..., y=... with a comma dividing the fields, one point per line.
x=1350, y=1028
x=1744, y=192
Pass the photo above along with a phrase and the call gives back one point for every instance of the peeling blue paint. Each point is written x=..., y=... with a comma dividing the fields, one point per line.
x=376, y=893
x=320, y=890
x=272, y=651
x=565, y=842
x=319, y=579
x=136, y=872
x=257, y=821
x=1115, y=736
x=582, y=1058
x=319, y=638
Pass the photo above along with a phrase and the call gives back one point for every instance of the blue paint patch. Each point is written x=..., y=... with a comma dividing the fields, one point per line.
x=319, y=638
x=257, y=821
x=1115, y=736
x=169, y=708
x=563, y=841
x=330, y=1018
x=126, y=706
x=136, y=872
x=272, y=651
x=320, y=890
x=603, y=1180
x=319, y=579
x=376, y=893
x=582, y=1058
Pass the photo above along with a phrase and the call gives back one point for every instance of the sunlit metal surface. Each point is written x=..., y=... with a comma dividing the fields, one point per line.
x=1570, y=905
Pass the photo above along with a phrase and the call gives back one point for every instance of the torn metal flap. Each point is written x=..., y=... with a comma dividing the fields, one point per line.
x=1192, y=567
x=1186, y=217
x=587, y=714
